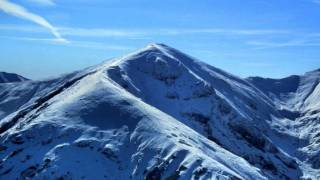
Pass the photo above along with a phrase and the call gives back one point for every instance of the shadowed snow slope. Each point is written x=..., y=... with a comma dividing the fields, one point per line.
x=159, y=114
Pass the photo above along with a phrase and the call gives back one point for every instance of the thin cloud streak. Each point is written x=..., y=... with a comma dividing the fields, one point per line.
x=83, y=44
x=21, y=12
x=43, y=2
x=292, y=43
x=301, y=38
x=162, y=32
x=139, y=33
x=49, y=40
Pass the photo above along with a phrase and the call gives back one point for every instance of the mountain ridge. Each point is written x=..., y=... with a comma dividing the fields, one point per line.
x=211, y=124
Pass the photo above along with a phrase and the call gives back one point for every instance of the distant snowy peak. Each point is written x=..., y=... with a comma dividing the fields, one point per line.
x=276, y=86
x=11, y=77
x=300, y=92
x=285, y=85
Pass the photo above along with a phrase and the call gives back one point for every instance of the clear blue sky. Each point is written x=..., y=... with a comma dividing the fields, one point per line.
x=270, y=38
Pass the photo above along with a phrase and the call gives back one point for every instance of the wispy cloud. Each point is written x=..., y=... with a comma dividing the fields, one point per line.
x=257, y=38
x=292, y=43
x=83, y=32
x=162, y=32
x=47, y=40
x=83, y=44
x=272, y=44
x=43, y=2
x=21, y=12
x=236, y=31
x=145, y=33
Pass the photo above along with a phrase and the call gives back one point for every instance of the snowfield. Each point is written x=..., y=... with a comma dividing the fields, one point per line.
x=158, y=113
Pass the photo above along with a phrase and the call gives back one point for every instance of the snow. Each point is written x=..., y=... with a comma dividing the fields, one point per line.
x=158, y=113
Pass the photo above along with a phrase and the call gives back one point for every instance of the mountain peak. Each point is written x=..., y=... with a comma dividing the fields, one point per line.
x=163, y=48
x=157, y=45
x=151, y=51
x=314, y=71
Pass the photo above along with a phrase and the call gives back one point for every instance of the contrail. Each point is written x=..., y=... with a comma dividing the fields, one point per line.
x=21, y=12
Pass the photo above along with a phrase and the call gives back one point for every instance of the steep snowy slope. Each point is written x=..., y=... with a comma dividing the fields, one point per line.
x=298, y=97
x=10, y=77
x=158, y=113
x=222, y=107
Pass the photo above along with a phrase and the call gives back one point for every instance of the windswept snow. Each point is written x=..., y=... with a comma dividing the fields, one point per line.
x=160, y=114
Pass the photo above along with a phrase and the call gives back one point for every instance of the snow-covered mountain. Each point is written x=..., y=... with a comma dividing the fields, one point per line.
x=11, y=77
x=160, y=114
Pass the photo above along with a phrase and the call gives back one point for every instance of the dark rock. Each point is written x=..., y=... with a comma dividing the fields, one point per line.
x=211, y=138
x=45, y=142
x=200, y=172
x=172, y=95
x=269, y=166
x=14, y=153
x=253, y=139
x=292, y=115
x=184, y=142
x=252, y=105
x=110, y=154
x=203, y=90
x=3, y=148
x=29, y=172
x=197, y=117
x=290, y=163
x=83, y=144
x=174, y=176
x=7, y=171
x=224, y=109
x=315, y=161
x=154, y=174
x=234, y=178
x=167, y=79
x=18, y=139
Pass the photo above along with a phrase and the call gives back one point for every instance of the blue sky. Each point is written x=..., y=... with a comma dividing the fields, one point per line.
x=270, y=38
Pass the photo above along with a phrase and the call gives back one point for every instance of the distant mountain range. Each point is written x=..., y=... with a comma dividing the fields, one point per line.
x=158, y=113
x=11, y=77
